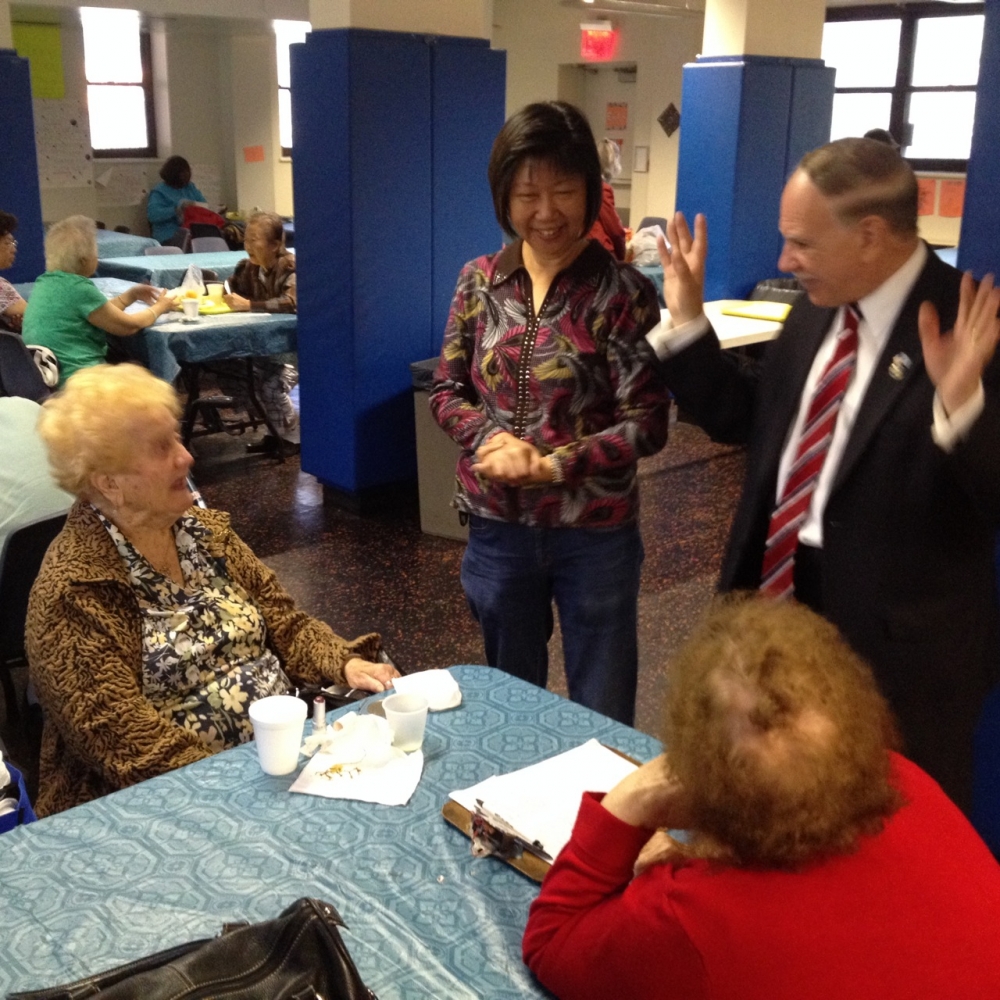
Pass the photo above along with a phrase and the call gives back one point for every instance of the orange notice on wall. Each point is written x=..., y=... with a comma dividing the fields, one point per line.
x=952, y=199
x=616, y=116
x=253, y=154
x=926, y=195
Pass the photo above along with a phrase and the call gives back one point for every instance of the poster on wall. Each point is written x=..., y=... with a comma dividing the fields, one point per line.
x=616, y=116
x=62, y=138
x=926, y=195
x=951, y=199
x=121, y=184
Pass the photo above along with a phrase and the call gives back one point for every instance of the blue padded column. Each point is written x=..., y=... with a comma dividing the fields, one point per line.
x=469, y=80
x=979, y=246
x=392, y=133
x=19, y=191
x=745, y=123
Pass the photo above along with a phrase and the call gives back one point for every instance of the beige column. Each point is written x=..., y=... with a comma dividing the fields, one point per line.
x=764, y=28
x=465, y=18
x=6, y=35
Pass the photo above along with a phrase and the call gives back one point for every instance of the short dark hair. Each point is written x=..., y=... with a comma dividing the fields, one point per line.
x=882, y=135
x=554, y=132
x=8, y=223
x=173, y=169
x=865, y=177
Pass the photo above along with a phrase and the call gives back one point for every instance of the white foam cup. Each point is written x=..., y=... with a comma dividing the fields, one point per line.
x=214, y=290
x=190, y=307
x=407, y=717
x=278, y=722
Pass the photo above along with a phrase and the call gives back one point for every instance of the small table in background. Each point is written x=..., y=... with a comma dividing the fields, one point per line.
x=168, y=271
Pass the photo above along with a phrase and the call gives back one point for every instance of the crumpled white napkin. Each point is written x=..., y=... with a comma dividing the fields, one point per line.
x=354, y=759
x=437, y=686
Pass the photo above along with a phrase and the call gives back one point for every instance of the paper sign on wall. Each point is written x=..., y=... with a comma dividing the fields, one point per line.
x=926, y=195
x=952, y=199
x=253, y=154
x=617, y=115
x=41, y=45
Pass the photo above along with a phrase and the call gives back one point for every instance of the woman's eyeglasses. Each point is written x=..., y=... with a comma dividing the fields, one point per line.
x=9, y=241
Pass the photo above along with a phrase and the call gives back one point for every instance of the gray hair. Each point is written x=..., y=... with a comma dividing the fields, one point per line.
x=610, y=155
x=69, y=243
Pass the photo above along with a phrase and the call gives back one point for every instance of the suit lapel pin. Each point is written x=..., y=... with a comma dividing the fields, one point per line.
x=899, y=366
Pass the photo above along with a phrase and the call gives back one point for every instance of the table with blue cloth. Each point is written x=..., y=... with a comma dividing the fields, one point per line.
x=168, y=271
x=172, y=859
x=112, y=244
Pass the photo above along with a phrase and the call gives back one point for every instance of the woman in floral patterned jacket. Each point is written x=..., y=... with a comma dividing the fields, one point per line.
x=152, y=626
x=546, y=383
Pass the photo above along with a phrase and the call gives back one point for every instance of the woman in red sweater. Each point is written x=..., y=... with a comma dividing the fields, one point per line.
x=824, y=865
x=607, y=228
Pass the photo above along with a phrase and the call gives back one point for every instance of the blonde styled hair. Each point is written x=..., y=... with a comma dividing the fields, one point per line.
x=778, y=732
x=69, y=243
x=87, y=426
x=610, y=155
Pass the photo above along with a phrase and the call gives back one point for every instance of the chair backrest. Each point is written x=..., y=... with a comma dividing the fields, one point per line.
x=20, y=560
x=208, y=244
x=652, y=220
x=199, y=229
x=181, y=238
x=161, y=251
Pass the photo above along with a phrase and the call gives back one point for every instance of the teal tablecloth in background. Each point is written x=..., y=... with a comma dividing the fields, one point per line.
x=168, y=271
x=174, y=858
x=112, y=244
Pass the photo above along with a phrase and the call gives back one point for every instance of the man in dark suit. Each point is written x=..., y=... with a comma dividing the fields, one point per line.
x=872, y=489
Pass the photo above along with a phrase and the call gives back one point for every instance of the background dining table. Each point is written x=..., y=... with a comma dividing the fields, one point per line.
x=167, y=271
x=173, y=858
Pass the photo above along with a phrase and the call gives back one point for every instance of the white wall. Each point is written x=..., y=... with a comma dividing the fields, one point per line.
x=542, y=41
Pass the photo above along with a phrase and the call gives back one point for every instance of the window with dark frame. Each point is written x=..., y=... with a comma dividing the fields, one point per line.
x=910, y=69
x=118, y=67
x=286, y=33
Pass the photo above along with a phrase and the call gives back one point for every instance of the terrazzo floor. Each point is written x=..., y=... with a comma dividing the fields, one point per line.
x=381, y=573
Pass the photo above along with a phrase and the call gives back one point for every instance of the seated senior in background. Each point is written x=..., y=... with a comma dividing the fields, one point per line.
x=69, y=314
x=823, y=865
x=265, y=282
x=11, y=303
x=152, y=627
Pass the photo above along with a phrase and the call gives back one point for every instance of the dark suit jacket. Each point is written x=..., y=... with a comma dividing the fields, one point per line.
x=908, y=530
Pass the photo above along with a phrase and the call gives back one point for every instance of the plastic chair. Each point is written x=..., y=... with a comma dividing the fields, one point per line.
x=161, y=251
x=209, y=244
x=20, y=560
x=181, y=238
x=652, y=220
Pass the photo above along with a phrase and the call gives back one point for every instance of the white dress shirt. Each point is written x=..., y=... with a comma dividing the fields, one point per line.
x=879, y=311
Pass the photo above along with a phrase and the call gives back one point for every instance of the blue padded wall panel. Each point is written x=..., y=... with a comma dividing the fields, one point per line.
x=746, y=120
x=979, y=246
x=390, y=102
x=321, y=181
x=469, y=81
x=19, y=191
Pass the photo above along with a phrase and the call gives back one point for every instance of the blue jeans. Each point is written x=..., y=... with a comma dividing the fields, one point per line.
x=512, y=572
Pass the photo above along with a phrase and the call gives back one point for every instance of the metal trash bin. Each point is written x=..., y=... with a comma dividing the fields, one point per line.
x=437, y=456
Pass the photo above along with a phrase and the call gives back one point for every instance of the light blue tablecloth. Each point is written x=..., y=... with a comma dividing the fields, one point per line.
x=112, y=244
x=172, y=341
x=174, y=858
x=168, y=271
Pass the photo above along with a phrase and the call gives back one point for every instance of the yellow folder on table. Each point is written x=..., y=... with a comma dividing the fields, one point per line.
x=775, y=311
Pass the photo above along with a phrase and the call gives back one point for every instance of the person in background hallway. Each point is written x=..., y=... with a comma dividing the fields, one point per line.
x=265, y=282
x=12, y=306
x=607, y=228
x=165, y=204
x=820, y=864
x=69, y=314
x=882, y=135
x=881, y=514
x=151, y=626
x=547, y=384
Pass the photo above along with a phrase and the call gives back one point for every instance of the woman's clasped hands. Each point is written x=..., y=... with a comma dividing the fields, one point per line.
x=507, y=459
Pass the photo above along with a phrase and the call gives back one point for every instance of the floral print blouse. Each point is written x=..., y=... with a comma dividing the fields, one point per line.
x=576, y=380
x=204, y=652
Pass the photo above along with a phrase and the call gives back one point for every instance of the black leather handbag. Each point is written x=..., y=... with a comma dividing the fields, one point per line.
x=297, y=956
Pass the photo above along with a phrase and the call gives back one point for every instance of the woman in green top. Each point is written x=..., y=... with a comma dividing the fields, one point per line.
x=69, y=314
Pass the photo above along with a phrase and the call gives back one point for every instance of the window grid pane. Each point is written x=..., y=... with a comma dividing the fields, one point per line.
x=942, y=125
x=855, y=114
x=865, y=53
x=111, y=45
x=947, y=51
x=117, y=117
x=285, y=117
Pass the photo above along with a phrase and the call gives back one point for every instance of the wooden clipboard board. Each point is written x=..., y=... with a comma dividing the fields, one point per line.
x=528, y=864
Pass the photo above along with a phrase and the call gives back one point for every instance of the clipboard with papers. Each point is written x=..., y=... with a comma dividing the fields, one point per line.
x=526, y=817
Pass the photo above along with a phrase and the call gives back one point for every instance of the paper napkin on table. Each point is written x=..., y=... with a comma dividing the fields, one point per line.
x=437, y=686
x=354, y=759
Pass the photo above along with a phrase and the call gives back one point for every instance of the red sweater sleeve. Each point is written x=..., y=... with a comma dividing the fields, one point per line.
x=596, y=932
